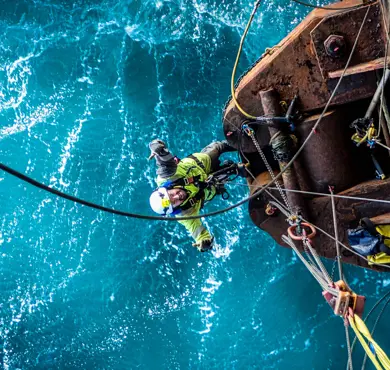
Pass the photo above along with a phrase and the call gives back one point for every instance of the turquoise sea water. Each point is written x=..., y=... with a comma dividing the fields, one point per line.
x=84, y=86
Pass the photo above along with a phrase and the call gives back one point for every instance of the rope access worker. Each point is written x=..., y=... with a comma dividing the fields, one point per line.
x=182, y=187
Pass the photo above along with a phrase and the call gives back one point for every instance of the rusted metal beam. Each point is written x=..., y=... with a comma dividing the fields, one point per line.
x=381, y=219
x=293, y=67
x=307, y=63
x=328, y=156
x=349, y=212
x=342, y=29
x=361, y=68
x=271, y=106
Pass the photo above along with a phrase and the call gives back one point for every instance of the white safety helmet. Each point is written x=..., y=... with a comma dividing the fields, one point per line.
x=160, y=203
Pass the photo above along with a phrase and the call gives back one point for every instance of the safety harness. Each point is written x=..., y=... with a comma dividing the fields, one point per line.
x=185, y=181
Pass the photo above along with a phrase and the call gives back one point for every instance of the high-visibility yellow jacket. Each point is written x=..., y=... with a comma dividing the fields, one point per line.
x=186, y=169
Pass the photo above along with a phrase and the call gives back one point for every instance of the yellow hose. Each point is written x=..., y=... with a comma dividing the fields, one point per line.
x=236, y=64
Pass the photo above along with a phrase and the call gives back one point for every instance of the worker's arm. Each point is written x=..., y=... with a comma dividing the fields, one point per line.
x=197, y=230
x=166, y=162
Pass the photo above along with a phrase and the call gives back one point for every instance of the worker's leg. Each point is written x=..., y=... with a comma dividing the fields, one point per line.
x=214, y=150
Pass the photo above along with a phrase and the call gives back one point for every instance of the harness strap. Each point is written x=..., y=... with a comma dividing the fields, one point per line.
x=184, y=181
x=192, y=201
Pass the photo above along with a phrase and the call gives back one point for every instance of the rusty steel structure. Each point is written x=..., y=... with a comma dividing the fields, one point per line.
x=307, y=65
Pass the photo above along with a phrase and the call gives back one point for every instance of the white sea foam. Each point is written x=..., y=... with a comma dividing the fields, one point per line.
x=85, y=79
x=12, y=95
x=24, y=121
x=73, y=138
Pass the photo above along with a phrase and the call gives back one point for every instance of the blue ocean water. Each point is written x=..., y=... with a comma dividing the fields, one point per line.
x=84, y=86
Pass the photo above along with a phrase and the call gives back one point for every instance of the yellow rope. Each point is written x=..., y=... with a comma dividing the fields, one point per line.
x=359, y=327
x=364, y=344
x=379, y=351
x=236, y=64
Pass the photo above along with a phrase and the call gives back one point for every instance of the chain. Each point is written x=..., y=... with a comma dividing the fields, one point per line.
x=269, y=168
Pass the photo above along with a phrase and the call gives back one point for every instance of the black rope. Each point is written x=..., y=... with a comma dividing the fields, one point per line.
x=161, y=218
x=111, y=210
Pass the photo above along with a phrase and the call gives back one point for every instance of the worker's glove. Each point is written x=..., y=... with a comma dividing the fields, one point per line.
x=205, y=245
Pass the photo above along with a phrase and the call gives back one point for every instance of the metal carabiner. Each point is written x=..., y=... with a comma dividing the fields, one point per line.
x=248, y=130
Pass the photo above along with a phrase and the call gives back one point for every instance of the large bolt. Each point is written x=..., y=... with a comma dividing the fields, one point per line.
x=335, y=46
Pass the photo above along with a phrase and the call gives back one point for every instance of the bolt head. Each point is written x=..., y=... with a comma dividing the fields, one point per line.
x=335, y=46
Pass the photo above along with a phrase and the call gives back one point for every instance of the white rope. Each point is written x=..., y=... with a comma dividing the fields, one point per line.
x=336, y=234
x=323, y=278
x=312, y=269
x=349, y=364
x=321, y=194
x=383, y=145
x=318, y=261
